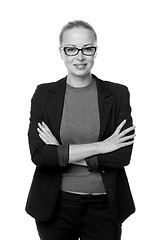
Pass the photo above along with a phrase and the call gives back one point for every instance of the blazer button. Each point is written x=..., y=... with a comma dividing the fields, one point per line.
x=111, y=191
x=103, y=171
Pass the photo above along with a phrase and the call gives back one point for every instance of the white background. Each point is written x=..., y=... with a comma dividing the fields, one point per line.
x=129, y=53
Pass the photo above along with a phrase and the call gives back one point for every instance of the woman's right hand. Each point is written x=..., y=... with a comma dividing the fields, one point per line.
x=117, y=139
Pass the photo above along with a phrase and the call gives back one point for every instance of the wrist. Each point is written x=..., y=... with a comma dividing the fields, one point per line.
x=97, y=146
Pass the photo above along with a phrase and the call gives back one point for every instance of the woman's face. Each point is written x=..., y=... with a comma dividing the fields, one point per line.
x=79, y=65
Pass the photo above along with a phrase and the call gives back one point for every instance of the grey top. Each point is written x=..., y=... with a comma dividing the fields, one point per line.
x=81, y=124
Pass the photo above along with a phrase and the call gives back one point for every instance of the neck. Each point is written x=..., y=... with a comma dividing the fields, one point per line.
x=79, y=81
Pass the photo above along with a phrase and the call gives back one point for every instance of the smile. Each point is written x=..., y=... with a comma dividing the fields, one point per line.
x=80, y=66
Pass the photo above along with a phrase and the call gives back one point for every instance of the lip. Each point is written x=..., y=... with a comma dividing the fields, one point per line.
x=80, y=66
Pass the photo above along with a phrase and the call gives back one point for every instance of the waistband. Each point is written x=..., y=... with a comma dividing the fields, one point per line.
x=83, y=197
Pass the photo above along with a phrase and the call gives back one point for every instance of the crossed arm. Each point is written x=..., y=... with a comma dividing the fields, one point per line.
x=115, y=151
x=117, y=140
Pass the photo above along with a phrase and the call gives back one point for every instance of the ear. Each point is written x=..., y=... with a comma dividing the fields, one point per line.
x=95, y=55
x=61, y=52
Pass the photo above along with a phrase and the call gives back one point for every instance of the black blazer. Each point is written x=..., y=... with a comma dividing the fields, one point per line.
x=47, y=105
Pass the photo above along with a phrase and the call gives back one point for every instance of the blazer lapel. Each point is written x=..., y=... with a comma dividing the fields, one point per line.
x=105, y=104
x=55, y=102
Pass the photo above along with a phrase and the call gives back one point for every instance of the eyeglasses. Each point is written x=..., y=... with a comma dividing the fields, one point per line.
x=73, y=51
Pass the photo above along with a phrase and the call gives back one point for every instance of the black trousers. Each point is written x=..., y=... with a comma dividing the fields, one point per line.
x=85, y=217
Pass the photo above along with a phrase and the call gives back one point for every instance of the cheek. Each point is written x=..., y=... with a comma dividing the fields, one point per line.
x=91, y=61
x=68, y=61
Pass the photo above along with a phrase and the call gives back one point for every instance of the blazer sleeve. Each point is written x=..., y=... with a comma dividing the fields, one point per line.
x=122, y=156
x=43, y=155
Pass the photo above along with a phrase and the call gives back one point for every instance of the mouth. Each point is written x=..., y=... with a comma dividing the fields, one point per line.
x=80, y=66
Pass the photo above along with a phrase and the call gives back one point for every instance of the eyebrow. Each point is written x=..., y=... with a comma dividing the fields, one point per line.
x=89, y=44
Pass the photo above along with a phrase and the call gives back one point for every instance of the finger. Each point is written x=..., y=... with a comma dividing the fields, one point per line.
x=46, y=127
x=43, y=138
x=127, y=130
x=45, y=135
x=51, y=136
x=48, y=139
x=127, y=138
x=118, y=129
x=41, y=131
x=45, y=130
x=41, y=127
x=125, y=144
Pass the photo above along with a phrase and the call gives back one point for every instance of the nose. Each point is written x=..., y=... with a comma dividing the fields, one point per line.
x=80, y=56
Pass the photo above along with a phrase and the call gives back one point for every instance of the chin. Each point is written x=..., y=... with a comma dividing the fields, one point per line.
x=84, y=74
x=80, y=73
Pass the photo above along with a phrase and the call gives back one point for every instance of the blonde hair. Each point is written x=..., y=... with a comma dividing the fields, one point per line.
x=76, y=24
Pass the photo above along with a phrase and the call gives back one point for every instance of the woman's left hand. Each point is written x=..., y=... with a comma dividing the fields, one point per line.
x=46, y=135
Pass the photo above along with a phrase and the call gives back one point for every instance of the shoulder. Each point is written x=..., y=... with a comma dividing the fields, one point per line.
x=44, y=87
x=114, y=87
x=119, y=91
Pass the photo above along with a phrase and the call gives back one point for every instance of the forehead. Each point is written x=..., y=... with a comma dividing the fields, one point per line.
x=78, y=37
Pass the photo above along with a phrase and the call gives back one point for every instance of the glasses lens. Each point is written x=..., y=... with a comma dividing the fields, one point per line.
x=89, y=51
x=70, y=51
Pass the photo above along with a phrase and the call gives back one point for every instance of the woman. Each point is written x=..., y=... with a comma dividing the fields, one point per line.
x=80, y=137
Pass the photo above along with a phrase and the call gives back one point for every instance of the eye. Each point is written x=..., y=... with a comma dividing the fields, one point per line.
x=71, y=49
x=89, y=48
x=89, y=51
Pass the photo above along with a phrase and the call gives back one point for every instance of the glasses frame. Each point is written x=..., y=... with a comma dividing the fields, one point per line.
x=80, y=49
